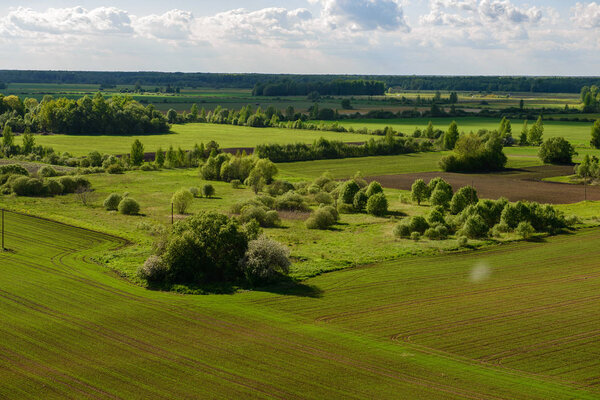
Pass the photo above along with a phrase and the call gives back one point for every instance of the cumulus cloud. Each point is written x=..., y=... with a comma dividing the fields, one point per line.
x=479, y=12
x=364, y=14
x=172, y=25
x=587, y=15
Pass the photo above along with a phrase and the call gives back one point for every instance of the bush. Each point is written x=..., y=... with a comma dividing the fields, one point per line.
x=114, y=169
x=348, y=191
x=69, y=184
x=265, y=259
x=344, y=208
x=208, y=190
x=473, y=153
x=475, y=227
x=153, y=270
x=431, y=234
x=402, y=230
x=236, y=183
x=499, y=229
x=416, y=236
x=525, y=230
x=556, y=150
x=194, y=191
x=464, y=197
x=291, y=202
x=442, y=232
x=377, y=205
x=435, y=217
x=278, y=188
x=374, y=188
x=272, y=219
x=13, y=169
x=360, y=201
x=323, y=198
x=111, y=203
x=47, y=172
x=462, y=241
x=181, y=200
x=129, y=206
x=420, y=191
x=322, y=218
x=206, y=248
x=53, y=188
x=25, y=186
x=251, y=212
x=418, y=224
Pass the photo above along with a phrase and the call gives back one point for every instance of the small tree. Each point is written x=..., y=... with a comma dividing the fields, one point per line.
x=373, y=188
x=8, y=138
x=420, y=191
x=557, y=150
x=525, y=230
x=451, y=136
x=181, y=200
x=536, y=133
x=377, y=205
x=160, y=157
x=172, y=116
x=129, y=206
x=137, y=153
x=348, y=191
x=523, y=138
x=28, y=142
x=595, y=142
x=360, y=201
x=208, y=190
x=265, y=259
x=111, y=203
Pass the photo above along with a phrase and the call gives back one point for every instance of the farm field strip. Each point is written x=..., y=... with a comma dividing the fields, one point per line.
x=71, y=328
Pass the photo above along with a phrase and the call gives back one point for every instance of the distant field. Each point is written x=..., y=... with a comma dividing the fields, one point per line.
x=424, y=328
x=185, y=136
x=578, y=133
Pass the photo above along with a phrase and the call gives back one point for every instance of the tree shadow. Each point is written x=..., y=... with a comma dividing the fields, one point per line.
x=287, y=286
x=397, y=214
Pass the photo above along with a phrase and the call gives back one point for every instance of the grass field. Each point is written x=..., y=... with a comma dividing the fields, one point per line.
x=186, y=136
x=422, y=328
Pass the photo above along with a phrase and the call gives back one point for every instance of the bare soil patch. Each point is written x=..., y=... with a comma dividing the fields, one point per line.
x=515, y=184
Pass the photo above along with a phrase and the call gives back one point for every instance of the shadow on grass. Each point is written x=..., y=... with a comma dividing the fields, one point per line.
x=397, y=214
x=287, y=286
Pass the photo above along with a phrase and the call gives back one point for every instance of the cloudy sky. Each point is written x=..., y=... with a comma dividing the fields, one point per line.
x=499, y=37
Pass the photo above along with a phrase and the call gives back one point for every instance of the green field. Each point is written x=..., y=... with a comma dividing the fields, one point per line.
x=422, y=329
x=186, y=136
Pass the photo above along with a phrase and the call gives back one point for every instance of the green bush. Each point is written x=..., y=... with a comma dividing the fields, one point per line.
x=402, y=230
x=377, y=205
x=525, y=230
x=194, y=191
x=360, y=201
x=373, y=188
x=13, y=169
x=348, y=191
x=114, y=169
x=278, y=188
x=208, y=190
x=69, y=184
x=435, y=217
x=291, y=202
x=25, y=186
x=420, y=191
x=462, y=241
x=47, y=172
x=129, y=206
x=111, y=203
x=181, y=200
x=52, y=187
x=475, y=227
x=344, y=208
x=272, y=219
x=251, y=212
x=265, y=260
x=322, y=218
x=323, y=198
x=556, y=150
x=416, y=236
x=153, y=270
x=418, y=224
x=236, y=183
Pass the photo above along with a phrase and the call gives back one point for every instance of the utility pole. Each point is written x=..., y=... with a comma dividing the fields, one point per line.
x=3, y=248
x=172, y=218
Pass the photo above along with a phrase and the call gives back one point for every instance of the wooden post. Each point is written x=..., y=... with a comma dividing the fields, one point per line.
x=3, y=248
x=172, y=218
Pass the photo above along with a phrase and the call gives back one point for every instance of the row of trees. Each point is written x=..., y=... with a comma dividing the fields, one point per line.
x=338, y=87
x=590, y=97
x=120, y=115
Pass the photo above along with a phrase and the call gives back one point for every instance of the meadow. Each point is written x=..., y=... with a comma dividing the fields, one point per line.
x=427, y=327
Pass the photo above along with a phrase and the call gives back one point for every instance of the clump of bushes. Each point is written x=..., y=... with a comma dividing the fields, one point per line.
x=111, y=203
x=322, y=218
x=556, y=150
x=129, y=206
x=47, y=172
x=476, y=152
x=22, y=185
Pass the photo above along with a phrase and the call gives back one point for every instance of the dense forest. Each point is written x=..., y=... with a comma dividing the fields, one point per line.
x=116, y=116
x=444, y=83
x=338, y=87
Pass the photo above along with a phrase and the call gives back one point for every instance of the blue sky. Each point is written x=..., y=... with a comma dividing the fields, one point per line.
x=488, y=37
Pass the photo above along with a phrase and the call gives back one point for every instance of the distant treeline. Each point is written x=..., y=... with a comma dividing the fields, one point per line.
x=443, y=83
x=338, y=87
x=324, y=149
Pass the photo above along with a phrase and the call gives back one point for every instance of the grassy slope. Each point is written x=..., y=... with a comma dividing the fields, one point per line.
x=70, y=328
x=185, y=136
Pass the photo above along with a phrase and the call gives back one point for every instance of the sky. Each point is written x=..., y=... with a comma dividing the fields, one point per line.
x=402, y=37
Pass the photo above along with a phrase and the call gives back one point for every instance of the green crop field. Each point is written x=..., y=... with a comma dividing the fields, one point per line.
x=424, y=328
x=185, y=136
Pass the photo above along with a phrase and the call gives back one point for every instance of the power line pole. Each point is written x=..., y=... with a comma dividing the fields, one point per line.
x=3, y=248
x=172, y=218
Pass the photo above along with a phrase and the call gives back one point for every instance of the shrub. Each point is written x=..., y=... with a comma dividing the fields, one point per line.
x=291, y=202
x=475, y=227
x=431, y=234
x=473, y=153
x=377, y=205
x=236, y=183
x=194, y=191
x=69, y=184
x=153, y=270
x=272, y=219
x=129, y=206
x=525, y=230
x=114, y=169
x=208, y=190
x=251, y=212
x=418, y=224
x=265, y=259
x=25, y=186
x=206, y=248
x=52, y=187
x=420, y=191
x=47, y=171
x=499, y=229
x=462, y=241
x=111, y=203
x=348, y=191
x=277, y=188
x=322, y=218
x=556, y=150
x=332, y=211
x=402, y=230
x=344, y=208
x=13, y=169
x=416, y=236
x=435, y=217
x=266, y=200
x=323, y=198
x=442, y=232
x=360, y=201
x=374, y=188
x=181, y=200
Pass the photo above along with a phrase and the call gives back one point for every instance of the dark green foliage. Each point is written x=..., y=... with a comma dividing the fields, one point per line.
x=360, y=201
x=348, y=191
x=464, y=197
x=543, y=218
x=473, y=154
x=71, y=184
x=13, y=169
x=418, y=224
x=377, y=205
x=25, y=186
x=111, y=203
x=47, y=172
x=265, y=260
x=420, y=191
x=153, y=270
x=374, y=188
x=208, y=190
x=136, y=156
x=525, y=230
x=556, y=150
x=278, y=188
x=291, y=202
x=435, y=217
x=595, y=142
x=441, y=193
x=206, y=248
x=53, y=188
x=451, y=137
x=322, y=218
x=129, y=206
x=475, y=227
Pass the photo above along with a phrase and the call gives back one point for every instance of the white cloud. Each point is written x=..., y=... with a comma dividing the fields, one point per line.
x=172, y=25
x=587, y=15
x=361, y=15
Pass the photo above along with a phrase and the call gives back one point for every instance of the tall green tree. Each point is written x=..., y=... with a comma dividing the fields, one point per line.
x=160, y=157
x=137, y=153
x=524, y=134
x=8, y=138
x=451, y=136
x=536, y=132
x=28, y=142
x=595, y=142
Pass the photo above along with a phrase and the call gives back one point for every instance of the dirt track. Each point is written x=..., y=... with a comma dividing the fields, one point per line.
x=519, y=184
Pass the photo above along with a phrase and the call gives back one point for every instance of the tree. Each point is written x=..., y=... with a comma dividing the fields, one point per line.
x=266, y=259
x=521, y=104
x=160, y=157
x=8, y=138
x=453, y=98
x=595, y=142
x=172, y=116
x=420, y=191
x=536, y=132
x=137, y=153
x=451, y=137
x=208, y=190
x=429, y=132
x=181, y=200
x=194, y=113
x=346, y=104
x=523, y=138
x=28, y=141
x=505, y=129
x=377, y=205
x=557, y=150
x=348, y=191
